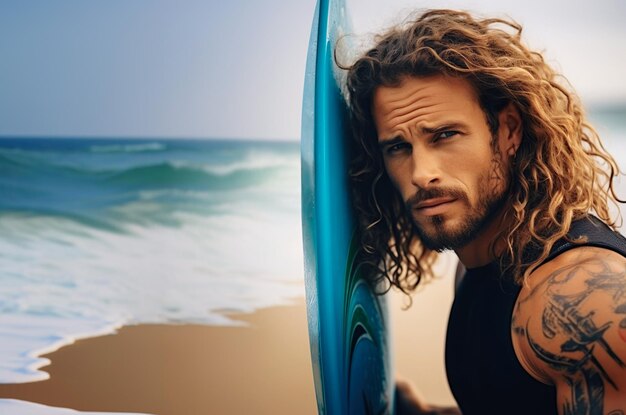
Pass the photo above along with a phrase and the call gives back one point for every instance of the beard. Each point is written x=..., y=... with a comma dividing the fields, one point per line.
x=437, y=234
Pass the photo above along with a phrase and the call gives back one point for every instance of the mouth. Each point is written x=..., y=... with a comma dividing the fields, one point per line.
x=435, y=206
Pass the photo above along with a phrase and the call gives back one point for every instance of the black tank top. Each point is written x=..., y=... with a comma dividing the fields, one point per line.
x=483, y=371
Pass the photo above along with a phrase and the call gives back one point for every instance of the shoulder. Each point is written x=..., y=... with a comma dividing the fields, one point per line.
x=569, y=328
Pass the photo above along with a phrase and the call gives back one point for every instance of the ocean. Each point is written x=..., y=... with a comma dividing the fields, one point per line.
x=100, y=233
x=96, y=234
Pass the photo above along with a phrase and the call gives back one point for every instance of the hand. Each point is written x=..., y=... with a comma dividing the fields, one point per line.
x=408, y=399
x=410, y=402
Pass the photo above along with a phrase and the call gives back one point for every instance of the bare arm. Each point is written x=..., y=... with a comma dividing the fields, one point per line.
x=570, y=330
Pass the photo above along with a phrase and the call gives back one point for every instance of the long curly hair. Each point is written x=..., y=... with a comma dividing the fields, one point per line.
x=561, y=171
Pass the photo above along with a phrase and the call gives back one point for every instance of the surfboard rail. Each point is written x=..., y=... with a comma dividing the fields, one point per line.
x=347, y=320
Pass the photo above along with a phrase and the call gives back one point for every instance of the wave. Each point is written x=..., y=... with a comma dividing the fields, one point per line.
x=104, y=189
x=95, y=200
x=183, y=176
x=252, y=162
x=128, y=148
x=160, y=174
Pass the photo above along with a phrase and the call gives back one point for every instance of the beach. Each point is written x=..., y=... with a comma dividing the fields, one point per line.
x=261, y=366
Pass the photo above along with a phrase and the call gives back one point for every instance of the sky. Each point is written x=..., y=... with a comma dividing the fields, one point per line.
x=233, y=69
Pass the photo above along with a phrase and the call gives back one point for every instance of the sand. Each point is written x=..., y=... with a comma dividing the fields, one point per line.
x=419, y=332
x=262, y=367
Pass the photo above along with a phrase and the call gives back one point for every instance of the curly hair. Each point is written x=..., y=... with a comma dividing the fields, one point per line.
x=561, y=171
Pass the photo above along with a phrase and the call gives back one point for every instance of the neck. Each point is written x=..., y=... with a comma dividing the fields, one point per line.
x=484, y=248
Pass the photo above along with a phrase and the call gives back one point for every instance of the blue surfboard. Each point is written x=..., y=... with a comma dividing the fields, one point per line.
x=348, y=322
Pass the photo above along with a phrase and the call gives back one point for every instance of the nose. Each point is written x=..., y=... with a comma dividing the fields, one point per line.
x=426, y=171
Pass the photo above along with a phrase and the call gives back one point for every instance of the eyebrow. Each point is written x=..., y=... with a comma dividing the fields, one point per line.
x=442, y=127
x=382, y=142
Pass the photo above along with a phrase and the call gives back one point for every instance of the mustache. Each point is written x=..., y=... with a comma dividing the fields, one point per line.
x=425, y=194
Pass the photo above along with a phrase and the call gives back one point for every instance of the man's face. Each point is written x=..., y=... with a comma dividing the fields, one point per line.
x=438, y=152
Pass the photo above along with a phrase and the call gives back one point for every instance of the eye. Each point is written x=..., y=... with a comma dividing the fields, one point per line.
x=444, y=135
x=393, y=149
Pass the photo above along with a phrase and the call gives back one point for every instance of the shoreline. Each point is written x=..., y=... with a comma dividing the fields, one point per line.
x=262, y=367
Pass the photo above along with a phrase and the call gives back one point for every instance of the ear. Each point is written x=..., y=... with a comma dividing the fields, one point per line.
x=510, y=129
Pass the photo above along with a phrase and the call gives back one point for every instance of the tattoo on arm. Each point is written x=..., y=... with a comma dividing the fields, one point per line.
x=568, y=316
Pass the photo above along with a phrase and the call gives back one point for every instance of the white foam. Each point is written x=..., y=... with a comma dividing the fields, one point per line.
x=27, y=337
x=251, y=160
x=63, y=280
x=17, y=407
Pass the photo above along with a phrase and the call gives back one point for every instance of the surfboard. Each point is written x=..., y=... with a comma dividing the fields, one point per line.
x=348, y=321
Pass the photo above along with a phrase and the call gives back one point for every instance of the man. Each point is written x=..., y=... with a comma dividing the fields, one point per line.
x=465, y=141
